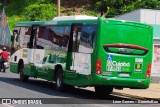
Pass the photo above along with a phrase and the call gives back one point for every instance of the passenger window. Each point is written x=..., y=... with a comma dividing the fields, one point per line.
x=87, y=39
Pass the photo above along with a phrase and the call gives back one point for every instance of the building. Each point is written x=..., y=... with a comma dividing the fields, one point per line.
x=152, y=17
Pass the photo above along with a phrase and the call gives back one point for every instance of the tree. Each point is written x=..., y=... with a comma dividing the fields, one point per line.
x=117, y=7
x=38, y=12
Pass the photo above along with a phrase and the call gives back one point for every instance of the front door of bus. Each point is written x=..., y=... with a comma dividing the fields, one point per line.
x=39, y=59
x=32, y=47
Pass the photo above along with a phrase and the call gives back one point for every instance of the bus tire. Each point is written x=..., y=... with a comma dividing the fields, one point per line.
x=59, y=80
x=103, y=90
x=22, y=77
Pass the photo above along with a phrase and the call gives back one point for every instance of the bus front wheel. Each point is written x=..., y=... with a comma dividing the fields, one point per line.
x=22, y=77
x=103, y=90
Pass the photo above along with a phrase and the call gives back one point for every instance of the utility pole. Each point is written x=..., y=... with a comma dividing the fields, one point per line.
x=58, y=7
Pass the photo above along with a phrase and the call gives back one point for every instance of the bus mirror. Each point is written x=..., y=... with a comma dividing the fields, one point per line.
x=12, y=39
x=28, y=45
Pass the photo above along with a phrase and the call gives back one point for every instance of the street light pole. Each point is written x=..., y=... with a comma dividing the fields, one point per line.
x=58, y=7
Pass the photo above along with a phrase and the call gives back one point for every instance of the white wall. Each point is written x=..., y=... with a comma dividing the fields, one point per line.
x=158, y=17
x=132, y=16
x=148, y=16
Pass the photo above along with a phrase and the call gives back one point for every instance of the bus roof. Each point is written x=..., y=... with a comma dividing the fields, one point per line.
x=77, y=17
x=63, y=20
x=68, y=20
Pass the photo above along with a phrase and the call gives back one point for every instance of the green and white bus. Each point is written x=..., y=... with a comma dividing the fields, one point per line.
x=84, y=51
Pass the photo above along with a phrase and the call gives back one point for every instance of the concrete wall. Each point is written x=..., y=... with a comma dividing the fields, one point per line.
x=132, y=16
x=150, y=16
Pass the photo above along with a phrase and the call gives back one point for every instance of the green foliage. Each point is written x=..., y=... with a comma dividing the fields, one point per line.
x=29, y=10
x=13, y=20
x=90, y=12
x=70, y=13
x=117, y=7
x=40, y=12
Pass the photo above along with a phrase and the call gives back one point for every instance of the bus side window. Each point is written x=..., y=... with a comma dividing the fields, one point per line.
x=15, y=58
x=33, y=36
x=87, y=39
x=14, y=40
x=75, y=38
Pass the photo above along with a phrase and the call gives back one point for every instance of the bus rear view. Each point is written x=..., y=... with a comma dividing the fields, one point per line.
x=124, y=55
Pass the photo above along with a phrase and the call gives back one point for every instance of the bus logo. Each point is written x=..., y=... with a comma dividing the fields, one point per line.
x=117, y=66
x=125, y=50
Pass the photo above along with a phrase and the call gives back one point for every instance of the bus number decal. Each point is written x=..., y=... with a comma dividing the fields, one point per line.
x=138, y=65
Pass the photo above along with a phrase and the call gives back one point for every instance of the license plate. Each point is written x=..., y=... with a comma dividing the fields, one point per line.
x=124, y=75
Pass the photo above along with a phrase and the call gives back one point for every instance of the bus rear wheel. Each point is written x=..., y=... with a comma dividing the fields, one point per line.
x=59, y=80
x=60, y=85
x=103, y=90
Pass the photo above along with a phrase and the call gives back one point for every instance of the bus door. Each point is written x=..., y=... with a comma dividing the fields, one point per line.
x=38, y=51
x=32, y=44
x=79, y=51
x=73, y=46
x=34, y=36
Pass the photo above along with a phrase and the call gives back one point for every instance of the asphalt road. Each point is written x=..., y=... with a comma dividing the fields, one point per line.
x=11, y=87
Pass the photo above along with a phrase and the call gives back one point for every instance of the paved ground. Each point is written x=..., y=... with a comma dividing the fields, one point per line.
x=11, y=87
x=152, y=92
x=36, y=88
